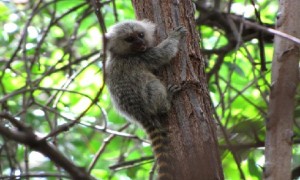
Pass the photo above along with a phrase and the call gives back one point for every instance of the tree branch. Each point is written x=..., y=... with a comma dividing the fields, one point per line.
x=27, y=137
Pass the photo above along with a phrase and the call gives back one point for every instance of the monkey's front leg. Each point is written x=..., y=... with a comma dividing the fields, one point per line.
x=163, y=53
x=169, y=47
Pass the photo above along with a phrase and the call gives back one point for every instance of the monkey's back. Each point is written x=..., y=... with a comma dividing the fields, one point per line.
x=127, y=80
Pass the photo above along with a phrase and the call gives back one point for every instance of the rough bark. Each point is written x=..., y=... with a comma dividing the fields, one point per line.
x=191, y=126
x=285, y=77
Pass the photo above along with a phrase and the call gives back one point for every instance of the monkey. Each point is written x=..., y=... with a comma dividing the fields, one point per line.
x=136, y=92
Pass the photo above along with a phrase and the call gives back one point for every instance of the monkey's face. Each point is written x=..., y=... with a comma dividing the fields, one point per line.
x=130, y=37
x=136, y=42
x=128, y=41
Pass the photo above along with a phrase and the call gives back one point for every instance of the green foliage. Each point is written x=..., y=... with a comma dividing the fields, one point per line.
x=50, y=73
x=239, y=91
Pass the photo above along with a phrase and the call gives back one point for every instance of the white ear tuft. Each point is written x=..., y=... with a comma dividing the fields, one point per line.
x=107, y=36
x=150, y=26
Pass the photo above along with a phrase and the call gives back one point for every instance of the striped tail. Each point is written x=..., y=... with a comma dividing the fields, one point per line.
x=160, y=145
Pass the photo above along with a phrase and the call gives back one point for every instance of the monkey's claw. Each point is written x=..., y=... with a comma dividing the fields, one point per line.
x=173, y=88
x=179, y=31
x=180, y=28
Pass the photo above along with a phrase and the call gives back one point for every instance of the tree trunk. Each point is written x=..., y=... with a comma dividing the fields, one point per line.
x=285, y=77
x=192, y=129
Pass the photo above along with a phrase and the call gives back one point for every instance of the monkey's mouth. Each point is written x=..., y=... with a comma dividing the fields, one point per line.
x=142, y=48
x=138, y=47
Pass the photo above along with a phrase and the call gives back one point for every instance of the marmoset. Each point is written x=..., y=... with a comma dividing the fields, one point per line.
x=135, y=91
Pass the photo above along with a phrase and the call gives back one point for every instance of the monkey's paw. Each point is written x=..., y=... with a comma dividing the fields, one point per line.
x=173, y=88
x=178, y=32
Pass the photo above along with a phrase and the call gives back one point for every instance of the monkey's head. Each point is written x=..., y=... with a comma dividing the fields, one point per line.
x=130, y=37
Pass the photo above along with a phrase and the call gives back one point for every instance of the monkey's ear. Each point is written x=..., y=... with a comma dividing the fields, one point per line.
x=150, y=26
x=108, y=39
x=107, y=36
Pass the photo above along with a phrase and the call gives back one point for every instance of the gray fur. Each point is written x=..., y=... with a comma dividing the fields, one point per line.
x=136, y=92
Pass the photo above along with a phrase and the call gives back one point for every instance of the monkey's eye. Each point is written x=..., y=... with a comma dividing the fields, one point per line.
x=141, y=35
x=129, y=39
